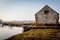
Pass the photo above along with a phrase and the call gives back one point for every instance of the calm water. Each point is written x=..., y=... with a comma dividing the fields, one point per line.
x=7, y=31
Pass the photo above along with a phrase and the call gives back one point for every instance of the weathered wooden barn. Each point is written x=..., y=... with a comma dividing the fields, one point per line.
x=46, y=16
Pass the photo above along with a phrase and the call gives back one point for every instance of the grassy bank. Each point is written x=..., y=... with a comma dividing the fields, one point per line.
x=37, y=34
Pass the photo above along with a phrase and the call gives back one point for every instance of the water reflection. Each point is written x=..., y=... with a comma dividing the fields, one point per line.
x=7, y=32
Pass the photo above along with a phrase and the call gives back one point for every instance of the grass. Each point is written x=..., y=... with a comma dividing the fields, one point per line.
x=37, y=34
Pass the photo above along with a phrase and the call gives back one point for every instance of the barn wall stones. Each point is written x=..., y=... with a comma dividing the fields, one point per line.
x=46, y=16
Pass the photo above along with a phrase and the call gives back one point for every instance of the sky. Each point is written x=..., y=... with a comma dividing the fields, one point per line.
x=22, y=10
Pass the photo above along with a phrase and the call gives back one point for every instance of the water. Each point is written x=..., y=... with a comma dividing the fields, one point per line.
x=7, y=31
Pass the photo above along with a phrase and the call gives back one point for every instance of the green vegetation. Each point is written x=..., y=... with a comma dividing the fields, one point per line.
x=37, y=34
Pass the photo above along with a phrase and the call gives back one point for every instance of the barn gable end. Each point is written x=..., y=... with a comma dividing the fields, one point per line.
x=46, y=16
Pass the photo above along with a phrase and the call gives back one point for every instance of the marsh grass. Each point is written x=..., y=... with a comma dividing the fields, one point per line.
x=37, y=34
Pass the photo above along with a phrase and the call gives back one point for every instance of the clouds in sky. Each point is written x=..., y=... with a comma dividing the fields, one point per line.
x=24, y=9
